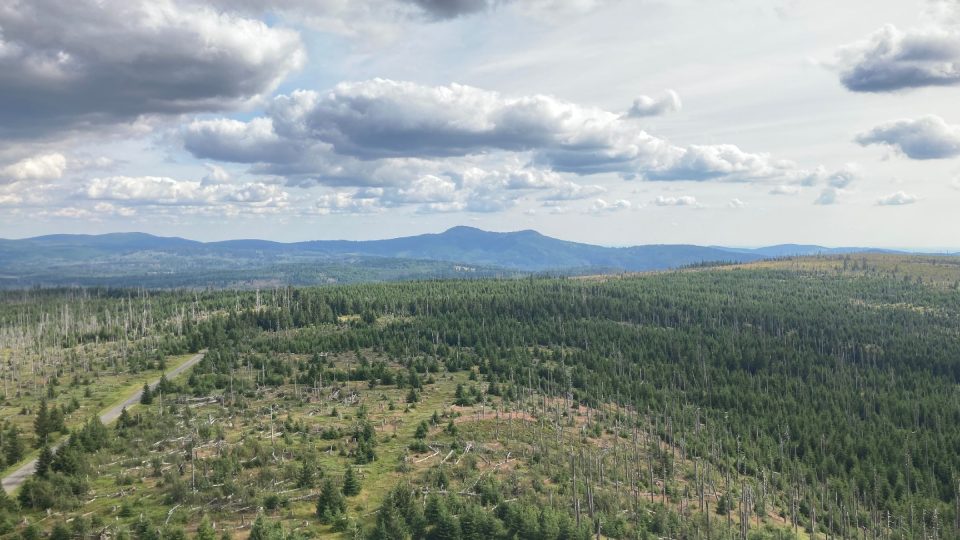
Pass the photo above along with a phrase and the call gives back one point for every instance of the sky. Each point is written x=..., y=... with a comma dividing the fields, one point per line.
x=732, y=122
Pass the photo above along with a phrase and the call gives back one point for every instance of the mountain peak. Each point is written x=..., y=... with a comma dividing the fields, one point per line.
x=462, y=229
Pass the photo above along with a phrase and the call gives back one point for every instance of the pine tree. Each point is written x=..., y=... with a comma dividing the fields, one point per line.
x=44, y=460
x=307, y=476
x=41, y=424
x=55, y=422
x=351, y=484
x=330, y=503
x=446, y=528
x=146, y=398
x=60, y=532
x=422, y=431
x=6, y=503
x=205, y=530
x=124, y=420
x=12, y=445
x=259, y=530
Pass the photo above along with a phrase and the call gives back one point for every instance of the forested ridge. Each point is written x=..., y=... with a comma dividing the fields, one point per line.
x=710, y=403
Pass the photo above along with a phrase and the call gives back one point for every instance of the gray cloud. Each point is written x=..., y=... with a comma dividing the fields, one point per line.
x=645, y=106
x=224, y=139
x=381, y=119
x=73, y=65
x=450, y=9
x=928, y=137
x=891, y=60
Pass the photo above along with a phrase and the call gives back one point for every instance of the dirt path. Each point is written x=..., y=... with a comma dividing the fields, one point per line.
x=15, y=479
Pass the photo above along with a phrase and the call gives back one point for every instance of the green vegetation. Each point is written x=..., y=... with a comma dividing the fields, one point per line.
x=775, y=402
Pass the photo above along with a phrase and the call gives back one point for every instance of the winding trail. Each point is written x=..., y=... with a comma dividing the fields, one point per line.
x=14, y=480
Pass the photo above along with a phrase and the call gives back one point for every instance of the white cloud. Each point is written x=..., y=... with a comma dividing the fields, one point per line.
x=645, y=106
x=684, y=200
x=426, y=189
x=736, y=203
x=927, y=137
x=215, y=175
x=893, y=60
x=600, y=206
x=897, y=199
x=40, y=167
x=842, y=178
x=345, y=203
x=111, y=209
x=154, y=190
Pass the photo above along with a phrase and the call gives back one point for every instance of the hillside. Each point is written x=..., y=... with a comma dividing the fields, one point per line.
x=137, y=259
x=767, y=400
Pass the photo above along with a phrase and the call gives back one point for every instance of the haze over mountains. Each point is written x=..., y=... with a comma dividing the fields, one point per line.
x=152, y=261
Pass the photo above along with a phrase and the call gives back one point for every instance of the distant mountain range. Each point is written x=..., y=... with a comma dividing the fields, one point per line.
x=154, y=261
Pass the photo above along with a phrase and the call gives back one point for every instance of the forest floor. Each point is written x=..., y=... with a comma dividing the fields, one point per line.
x=17, y=474
x=500, y=440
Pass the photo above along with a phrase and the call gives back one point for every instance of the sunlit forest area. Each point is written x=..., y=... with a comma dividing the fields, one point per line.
x=807, y=398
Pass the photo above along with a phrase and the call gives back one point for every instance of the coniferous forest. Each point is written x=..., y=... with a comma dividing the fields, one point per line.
x=758, y=401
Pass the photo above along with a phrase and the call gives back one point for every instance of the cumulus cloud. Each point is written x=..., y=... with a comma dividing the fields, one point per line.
x=155, y=190
x=379, y=119
x=40, y=167
x=647, y=106
x=843, y=177
x=736, y=203
x=928, y=137
x=684, y=200
x=891, y=59
x=224, y=139
x=600, y=206
x=346, y=203
x=897, y=199
x=87, y=63
x=215, y=175
x=427, y=189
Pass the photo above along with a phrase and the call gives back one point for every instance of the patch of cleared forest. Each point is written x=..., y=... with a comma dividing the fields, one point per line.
x=790, y=400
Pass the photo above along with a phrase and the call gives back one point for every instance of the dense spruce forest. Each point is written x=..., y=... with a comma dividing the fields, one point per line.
x=815, y=400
